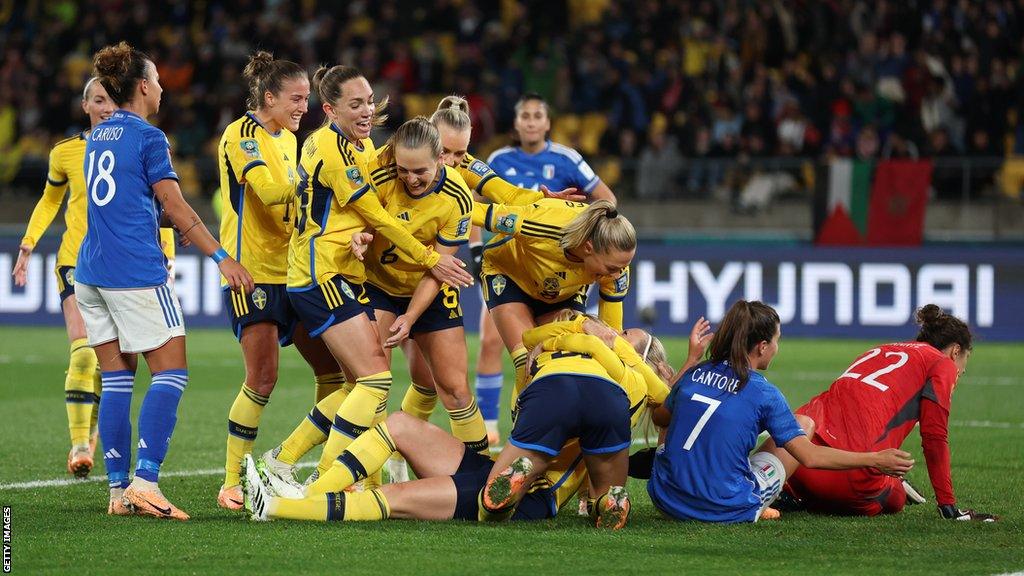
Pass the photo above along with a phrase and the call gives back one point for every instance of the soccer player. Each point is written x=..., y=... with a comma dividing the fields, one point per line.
x=450, y=475
x=874, y=405
x=131, y=309
x=66, y=176
x=325, y=278
x=714, y=415
x=545, y=257
x=257, y=158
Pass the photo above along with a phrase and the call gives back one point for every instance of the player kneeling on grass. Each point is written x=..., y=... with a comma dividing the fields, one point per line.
x=450, y=475
x=873, y=406
x=714, y=415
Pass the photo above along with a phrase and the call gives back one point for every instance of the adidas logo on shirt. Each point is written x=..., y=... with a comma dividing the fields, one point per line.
x=404, y=216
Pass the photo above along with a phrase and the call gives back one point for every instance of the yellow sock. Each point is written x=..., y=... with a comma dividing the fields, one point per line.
x=327, y=384
x=243, y=423
x=519, y=356
x=310, y=508
x=314, y=428
x=355, y=415
x=79, y=391
x=375, y=478
x=419, y=401
x=468, y=425
x=97, y=391
x=366, y=454
x=367, y=505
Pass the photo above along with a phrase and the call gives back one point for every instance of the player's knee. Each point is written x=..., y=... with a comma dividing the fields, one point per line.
x=490, y=341
x=454, y=395
x=400, y=425
x=806, y=423
x=261, y=379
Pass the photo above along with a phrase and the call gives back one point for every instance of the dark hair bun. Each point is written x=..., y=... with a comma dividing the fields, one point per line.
x=929, y=314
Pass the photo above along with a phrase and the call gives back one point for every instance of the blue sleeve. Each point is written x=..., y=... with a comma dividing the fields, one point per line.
x=670, y=401
x=777, y=418
x=156, y=154
x=586, y=178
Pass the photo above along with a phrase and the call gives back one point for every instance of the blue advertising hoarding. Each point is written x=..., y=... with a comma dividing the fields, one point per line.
x=819, y=292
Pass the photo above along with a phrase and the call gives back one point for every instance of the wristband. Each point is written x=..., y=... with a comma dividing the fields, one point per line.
x=219, y=255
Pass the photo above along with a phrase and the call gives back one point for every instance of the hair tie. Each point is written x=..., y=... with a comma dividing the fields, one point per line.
x=613, y=213
x=647, y=347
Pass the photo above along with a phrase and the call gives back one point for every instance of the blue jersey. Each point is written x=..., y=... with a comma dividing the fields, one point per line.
x=702, y=472
x=556, y=166
x=124, y=158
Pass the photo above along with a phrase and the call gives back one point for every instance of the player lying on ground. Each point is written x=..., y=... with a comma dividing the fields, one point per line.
x=714, y=415
x=451, y=476
x=873, y=406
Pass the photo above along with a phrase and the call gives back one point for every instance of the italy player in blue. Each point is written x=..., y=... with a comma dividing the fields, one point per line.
x=537, y=163
x=714, y=415
x=128, y=305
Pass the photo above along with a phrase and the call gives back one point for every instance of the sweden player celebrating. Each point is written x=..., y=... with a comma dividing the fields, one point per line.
x=714, y=415
x=132, y=309
x=258, y=180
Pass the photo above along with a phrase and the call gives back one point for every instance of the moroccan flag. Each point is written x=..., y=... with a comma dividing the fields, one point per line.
x=845, y=217
x=899, y=197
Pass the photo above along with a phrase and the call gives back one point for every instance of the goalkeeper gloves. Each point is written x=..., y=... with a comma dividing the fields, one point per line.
x=951, y=512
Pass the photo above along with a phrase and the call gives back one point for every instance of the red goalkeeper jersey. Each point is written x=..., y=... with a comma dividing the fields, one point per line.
x=876, y=403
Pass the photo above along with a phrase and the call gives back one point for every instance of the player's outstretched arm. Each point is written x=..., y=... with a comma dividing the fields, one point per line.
x=891, y=461
x=192, y=228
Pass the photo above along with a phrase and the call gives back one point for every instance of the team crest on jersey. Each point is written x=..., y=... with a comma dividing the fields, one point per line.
x=548, y=172
x=479, y=168
x=69, y=276
x=354, y=176
x=347, y=290
x=463, y=226
x=259, y=298
x=506, y=224
x=551, y=289
x=498, y=284
x=250, y=147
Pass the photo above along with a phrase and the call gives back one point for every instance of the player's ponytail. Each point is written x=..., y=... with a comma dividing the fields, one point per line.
x=119, y=69
x=453, y=111
x=414, y=134
x=941, y=329
x=327, y=83
x=602, y=224
x=264, y=74
x=744, y=326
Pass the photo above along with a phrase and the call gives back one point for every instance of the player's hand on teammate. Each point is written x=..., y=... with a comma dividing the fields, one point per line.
x=20, y=272
x=894, y=462
x=452, y=271
x=237, y=276
x=602, y=331
x=700, y=337
x=360, y=244
x=399, y=331
x=569, y=193
x=951, y=512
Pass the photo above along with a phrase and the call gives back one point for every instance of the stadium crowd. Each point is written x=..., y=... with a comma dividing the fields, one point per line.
x=649, y=84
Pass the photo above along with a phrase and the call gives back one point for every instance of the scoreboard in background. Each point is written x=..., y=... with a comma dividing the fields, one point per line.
x=818, y=292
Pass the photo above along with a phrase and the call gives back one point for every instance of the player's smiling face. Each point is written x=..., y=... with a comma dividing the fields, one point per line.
x=287, y=106
x=353, y=113
x=532, y=122
x=454, y=144
x=97, y=104
x=417, y=168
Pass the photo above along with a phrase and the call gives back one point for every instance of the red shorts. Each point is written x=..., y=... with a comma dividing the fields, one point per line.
x=858, y=492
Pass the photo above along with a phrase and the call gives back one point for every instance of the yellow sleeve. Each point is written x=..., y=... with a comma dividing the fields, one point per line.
x=411, y=249
x=455, y=231
x=535, y=336
x=657, y=390
x=482, y=179
x=246, y=159
x=49, y=204
x=592, y=345
x=517, y=220
x=613, y=292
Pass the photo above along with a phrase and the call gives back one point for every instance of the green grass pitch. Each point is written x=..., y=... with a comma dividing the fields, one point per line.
x=62, y=529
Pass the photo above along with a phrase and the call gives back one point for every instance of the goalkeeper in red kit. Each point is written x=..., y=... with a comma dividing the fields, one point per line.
x=873, y=406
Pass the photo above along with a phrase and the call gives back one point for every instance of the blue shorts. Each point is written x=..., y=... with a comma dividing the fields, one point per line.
x=323, y=305
x=65, y=281
x=499, y=289
x=559, y=407
x=443, y=313
x=266, y=303
x=470, y=479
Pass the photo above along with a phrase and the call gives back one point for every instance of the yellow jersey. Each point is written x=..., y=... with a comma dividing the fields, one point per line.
x=479, y=176
x=257, y=195
x=567, y=350
x=441, y=215
x=335, y=201
x=66, y=175
x=526, y=250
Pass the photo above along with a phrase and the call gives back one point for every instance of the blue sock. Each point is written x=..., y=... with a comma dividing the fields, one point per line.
x=115, y=425
x=488, y=394
x=156, y=421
